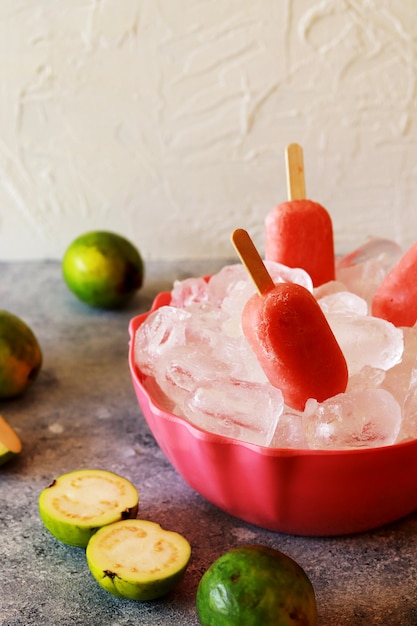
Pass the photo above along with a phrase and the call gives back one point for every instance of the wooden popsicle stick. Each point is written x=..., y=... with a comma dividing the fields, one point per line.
x=295, y=172
x=252, y=261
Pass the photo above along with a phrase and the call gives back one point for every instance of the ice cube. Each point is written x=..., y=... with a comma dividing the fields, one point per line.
x=234, y=302
x=361, y=419
x=409, y=428
x=242, y=362
x=289, y=432
x=328, y=289
x=366, y=340
x=386, y=251
x=398, y=378
x=203, y=324
x=363, y=270
x=222, y=284
x=367, y=378
x=161, y=330
x=343, y=302
x=158, y=396
x=189, y=290
x=237, y=409
x=180, y=370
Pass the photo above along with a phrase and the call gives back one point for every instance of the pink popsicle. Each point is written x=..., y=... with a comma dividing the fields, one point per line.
x=290, y=335
x=299, y=233
x=396, y=298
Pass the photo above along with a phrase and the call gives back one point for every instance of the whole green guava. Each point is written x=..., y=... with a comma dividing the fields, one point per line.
x=20, y=355
x=255, y=585
x=103, y=269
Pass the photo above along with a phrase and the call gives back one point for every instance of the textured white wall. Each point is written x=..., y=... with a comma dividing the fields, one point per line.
x=166, y=120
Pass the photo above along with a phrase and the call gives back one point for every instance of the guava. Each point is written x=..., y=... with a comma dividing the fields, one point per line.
x=103, y=269
x=256, y=585
x=10, y=444
x=20, y=355
x=137, y=559
x=78, y=503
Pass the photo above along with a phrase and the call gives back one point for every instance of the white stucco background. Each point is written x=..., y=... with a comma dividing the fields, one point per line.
x=167, y=120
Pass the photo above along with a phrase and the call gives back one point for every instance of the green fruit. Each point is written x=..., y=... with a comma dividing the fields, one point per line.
x=77, y=504
x=103, y=269
x=256, y=586
x=137, y=559
x=20, y=355
x=10, y=444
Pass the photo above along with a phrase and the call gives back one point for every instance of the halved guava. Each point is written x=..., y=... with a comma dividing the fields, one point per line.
x=137, y=559
x=78, y=503
x=10, y=444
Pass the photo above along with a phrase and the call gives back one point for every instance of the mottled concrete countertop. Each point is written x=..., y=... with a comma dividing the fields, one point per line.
x=82, y=412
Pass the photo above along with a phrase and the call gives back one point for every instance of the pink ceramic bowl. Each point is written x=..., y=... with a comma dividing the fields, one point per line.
x=301, y=492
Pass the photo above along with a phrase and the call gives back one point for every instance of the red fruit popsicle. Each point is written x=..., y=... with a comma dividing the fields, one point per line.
x=299, y=233
x=289, y=334
x=396, y=298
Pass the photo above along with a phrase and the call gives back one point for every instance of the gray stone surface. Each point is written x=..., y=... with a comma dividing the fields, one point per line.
x=82, y=412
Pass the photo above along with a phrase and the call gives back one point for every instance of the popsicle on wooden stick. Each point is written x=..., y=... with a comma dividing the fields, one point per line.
x=396, y=298
x=299, y=232
x=289, y=334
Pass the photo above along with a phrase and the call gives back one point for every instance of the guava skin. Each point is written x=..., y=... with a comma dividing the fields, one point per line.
x=256, y=586
x=103, y=269
x=148, y=590
x=20, y=355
